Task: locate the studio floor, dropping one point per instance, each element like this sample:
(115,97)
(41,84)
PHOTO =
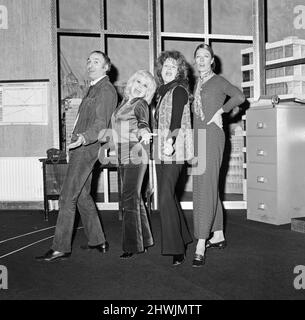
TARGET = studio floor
(258,263)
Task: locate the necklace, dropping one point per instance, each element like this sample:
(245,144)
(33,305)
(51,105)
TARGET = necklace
(206,76)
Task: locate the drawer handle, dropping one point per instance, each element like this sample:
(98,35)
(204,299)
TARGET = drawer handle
(260,125)
(261,153)
(261,206)
(261,179)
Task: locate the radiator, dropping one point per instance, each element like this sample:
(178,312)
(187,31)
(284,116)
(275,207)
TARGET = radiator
(21,179)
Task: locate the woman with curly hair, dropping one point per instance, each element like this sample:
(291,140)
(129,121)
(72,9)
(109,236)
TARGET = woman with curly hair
(131,132)
(173,121)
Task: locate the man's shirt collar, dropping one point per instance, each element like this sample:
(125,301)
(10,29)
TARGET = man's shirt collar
(93,82)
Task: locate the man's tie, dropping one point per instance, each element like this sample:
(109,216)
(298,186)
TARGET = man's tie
(86,95)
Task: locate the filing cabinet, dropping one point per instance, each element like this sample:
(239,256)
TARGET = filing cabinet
(275,144)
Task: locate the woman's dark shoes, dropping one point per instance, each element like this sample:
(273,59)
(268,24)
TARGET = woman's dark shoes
(178,259)
(52,255)
(198,260)
(102,248)
(219,245)
(126,255)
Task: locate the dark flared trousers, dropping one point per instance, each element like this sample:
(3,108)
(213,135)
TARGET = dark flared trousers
(76,193)
(175,234)
(136,231)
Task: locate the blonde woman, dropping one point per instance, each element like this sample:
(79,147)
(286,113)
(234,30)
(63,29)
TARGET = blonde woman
(131,136)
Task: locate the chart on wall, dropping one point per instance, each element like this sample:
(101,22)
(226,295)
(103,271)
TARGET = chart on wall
(24,103)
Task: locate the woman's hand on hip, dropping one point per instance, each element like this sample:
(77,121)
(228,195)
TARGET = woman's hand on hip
(217,118)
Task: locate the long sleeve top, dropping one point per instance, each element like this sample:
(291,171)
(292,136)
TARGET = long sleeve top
(214,93)
(95,111)
(129,121)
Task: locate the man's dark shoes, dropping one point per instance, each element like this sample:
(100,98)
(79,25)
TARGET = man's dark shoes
(102,248)
(199,260)
(178,259)
(219,245)
(52,255)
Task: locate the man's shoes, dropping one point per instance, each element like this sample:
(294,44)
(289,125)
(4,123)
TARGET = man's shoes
(102,248)
(199,260)
(178,259)
(52,255)
(126,255)
(219,245)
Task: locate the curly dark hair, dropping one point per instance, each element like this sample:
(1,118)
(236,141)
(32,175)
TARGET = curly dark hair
(181,64)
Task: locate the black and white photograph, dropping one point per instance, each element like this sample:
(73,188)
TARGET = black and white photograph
(152,154)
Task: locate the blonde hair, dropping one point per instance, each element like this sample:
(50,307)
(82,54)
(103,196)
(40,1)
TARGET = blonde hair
(150,81)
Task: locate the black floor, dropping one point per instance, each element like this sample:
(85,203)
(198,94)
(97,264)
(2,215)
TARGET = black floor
(258,263)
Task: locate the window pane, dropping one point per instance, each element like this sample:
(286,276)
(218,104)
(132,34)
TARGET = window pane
(79,14)
(285,18)
(246,75)
(183,16)
(127,14)
(74,52)
(288,51)
(127,56)
(247,92)
(289,70)
(231,17)
(247,58)
(229,60)
(187,48)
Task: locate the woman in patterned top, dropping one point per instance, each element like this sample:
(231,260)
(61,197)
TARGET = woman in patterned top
(210,95)
(175,146)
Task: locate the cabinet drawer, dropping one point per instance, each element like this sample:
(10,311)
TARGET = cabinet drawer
(262,176)
(262,206)
(261,149)
(261,122)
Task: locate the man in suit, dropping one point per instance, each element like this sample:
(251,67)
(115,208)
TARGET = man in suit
(93,116)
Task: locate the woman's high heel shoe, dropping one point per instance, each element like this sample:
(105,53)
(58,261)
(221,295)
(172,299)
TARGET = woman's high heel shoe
(178,259)
(199,260)
(219,245)
(126,255)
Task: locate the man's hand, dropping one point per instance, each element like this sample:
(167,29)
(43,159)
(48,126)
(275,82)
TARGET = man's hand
(217,118)
(77,143)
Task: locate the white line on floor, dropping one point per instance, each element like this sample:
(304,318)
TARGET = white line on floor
(29,245)
(26,234)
